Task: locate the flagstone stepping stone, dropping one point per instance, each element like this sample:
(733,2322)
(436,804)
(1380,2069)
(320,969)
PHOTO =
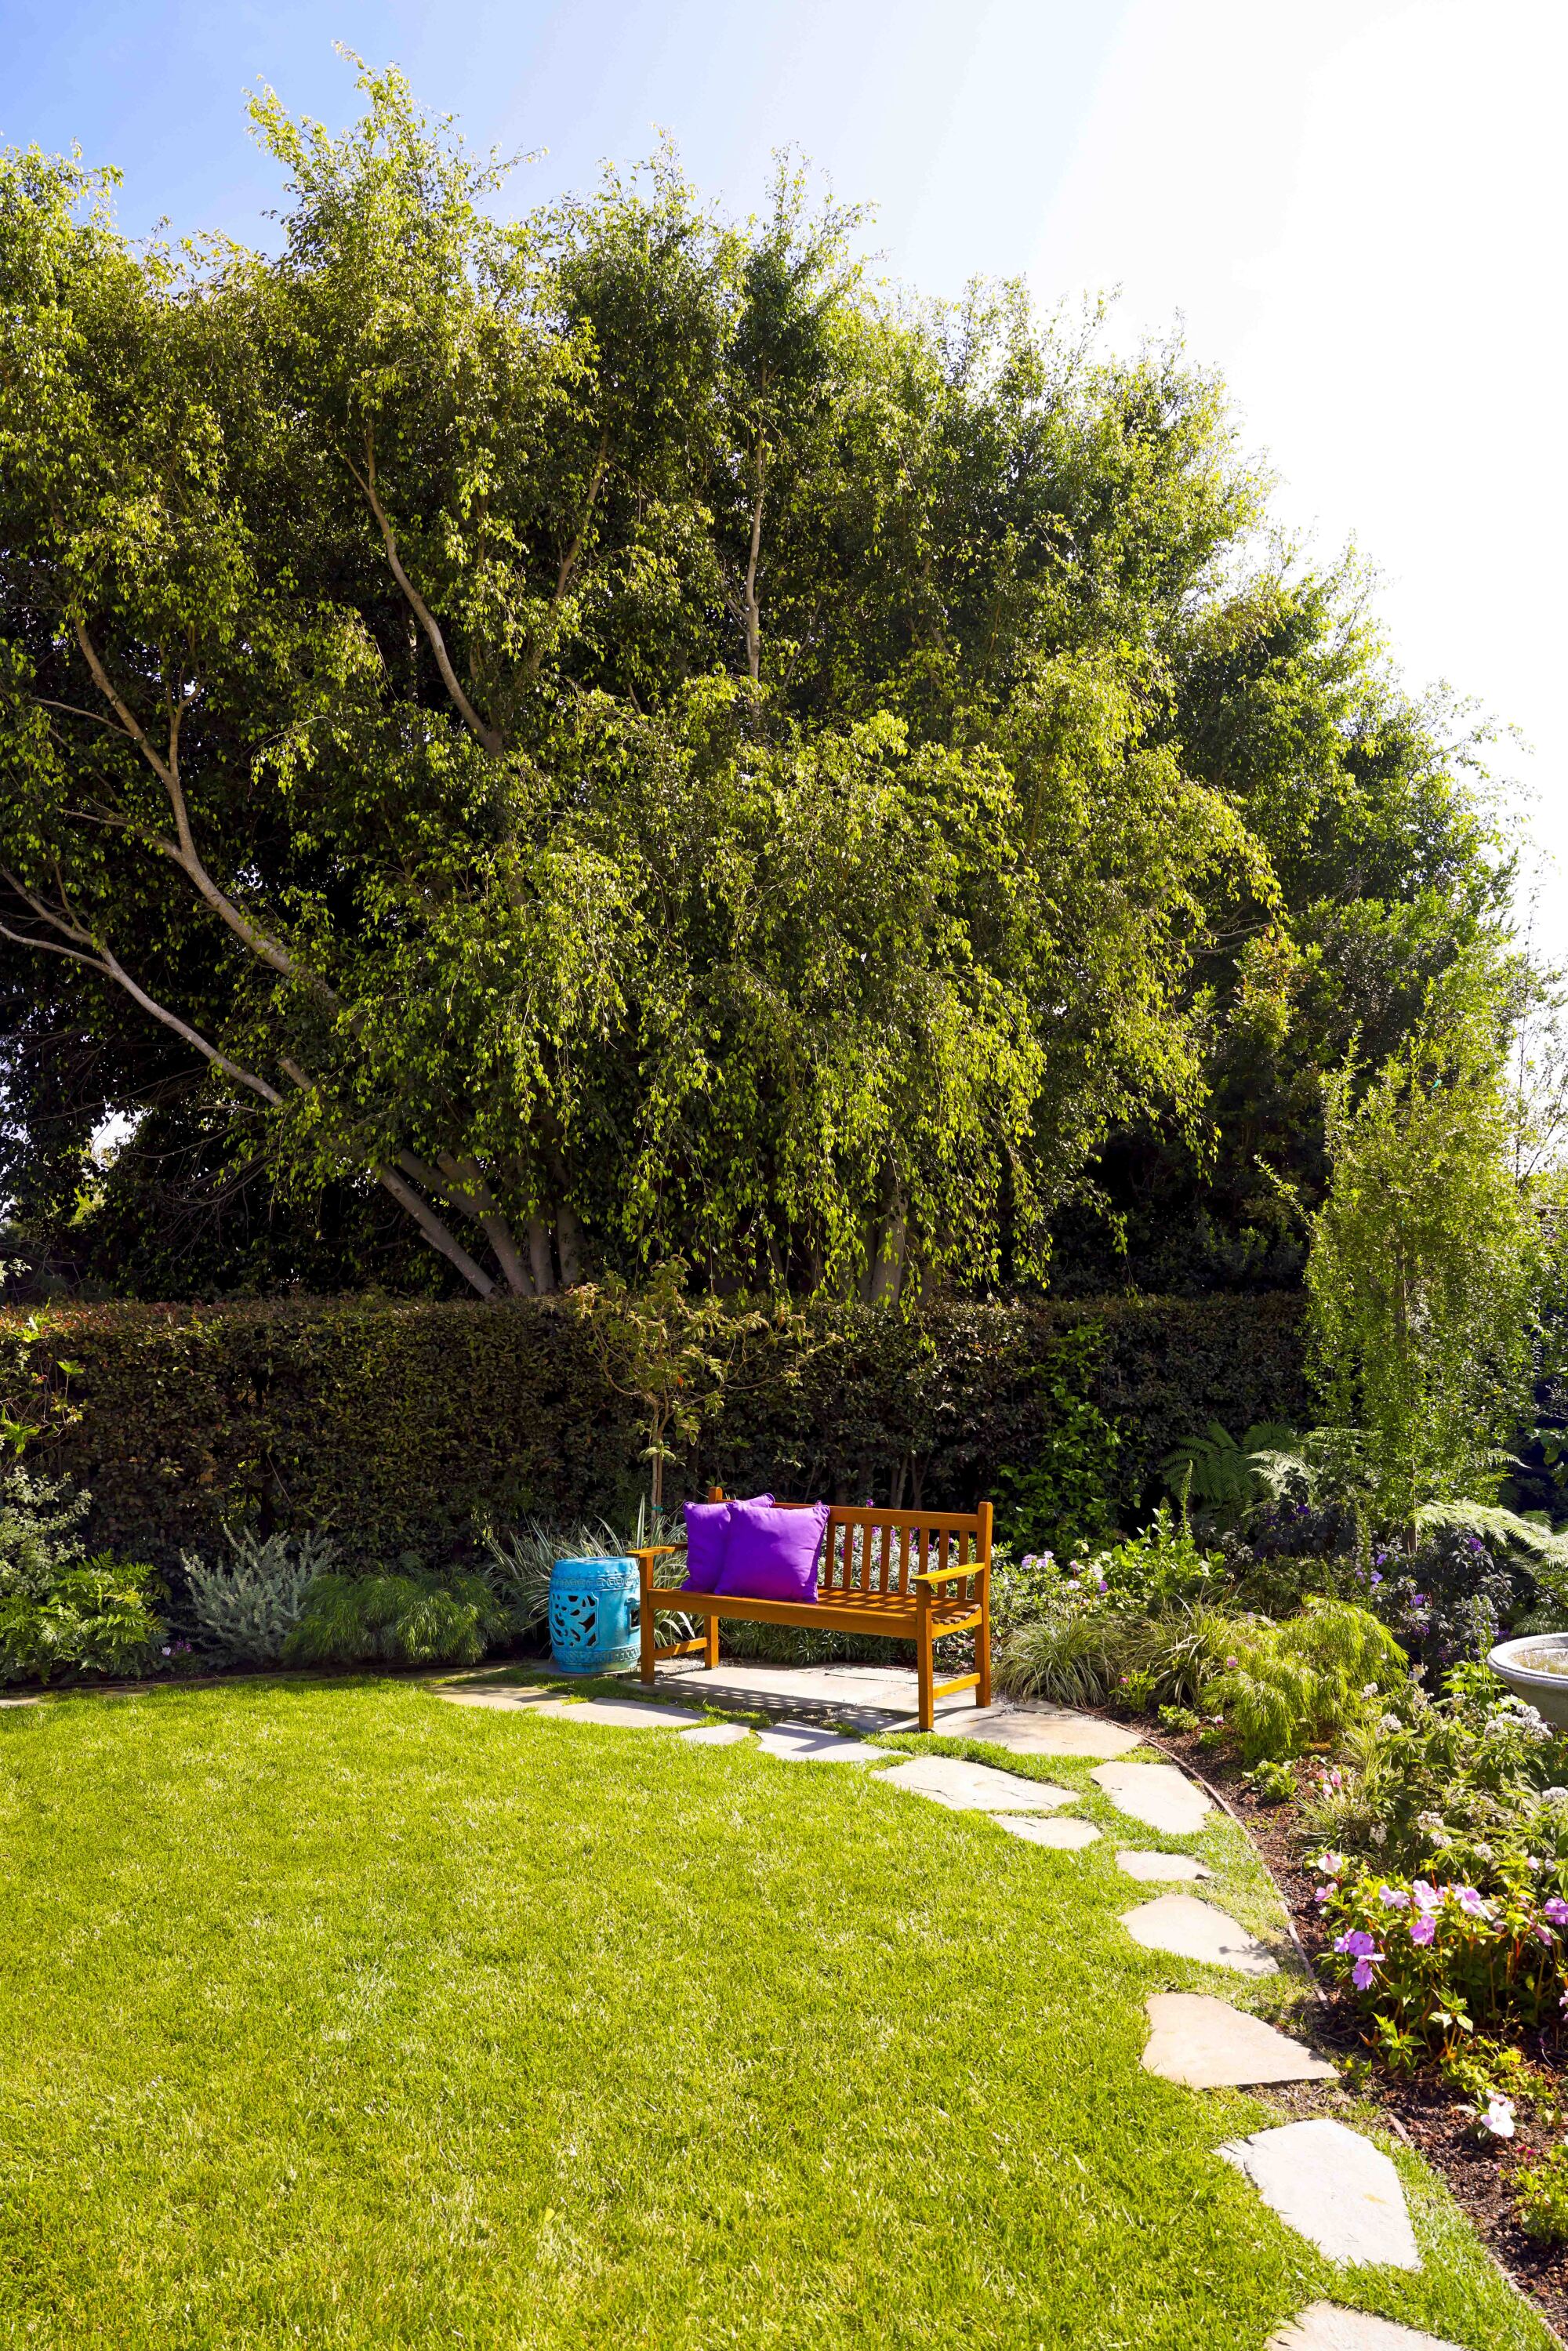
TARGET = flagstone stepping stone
(1324,2327)
(715,1734)
(1155,1793)
(1334,2187)
(806,1742)
(623,1713)
(973,1787)
(1197,1931)
(1159,1868)
(1208,2045)
(1041,1730)
(1066,1835)
(506,1696)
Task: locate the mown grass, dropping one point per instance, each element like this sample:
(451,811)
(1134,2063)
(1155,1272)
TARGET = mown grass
(335,2015)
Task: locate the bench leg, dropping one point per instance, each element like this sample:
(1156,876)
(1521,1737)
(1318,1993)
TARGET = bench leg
(710,1644)
(983,1646)
(926,1663)
(645,1635)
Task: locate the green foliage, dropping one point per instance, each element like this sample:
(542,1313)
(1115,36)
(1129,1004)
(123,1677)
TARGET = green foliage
(1224,1477)
(1074,1656)
(401,1426)
(1274,1781)
(404,1620)
(1540,2198)
(1284,1687)
(519,1561)
(1432,1964)
(1471,1785)
(1064,1496)
(60,1610)
(1423,1264)
(246,1605)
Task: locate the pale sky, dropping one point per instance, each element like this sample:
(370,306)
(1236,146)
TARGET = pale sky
(1355,207)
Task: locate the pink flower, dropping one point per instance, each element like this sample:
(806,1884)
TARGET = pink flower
(1360,1974)
(1358,1943)
(1230,1665)
(1544,1935)
(1422,1927)
(1322,1893)
(1556,1910)
(1392,1899)
(1470,1902)
(1427,1898)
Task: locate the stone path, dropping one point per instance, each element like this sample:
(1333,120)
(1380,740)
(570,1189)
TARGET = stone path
(973,1787)
(1157,1868)
(1065,1836)
(1324,2327)
(1326,2181)
(1334,2187)
(1207,2044)
(1155,1793)
(803,1742)
(1197,1931)
(868,1698)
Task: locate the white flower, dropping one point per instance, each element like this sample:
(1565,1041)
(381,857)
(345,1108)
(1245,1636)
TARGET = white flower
(1369,1690)
(1499,2117)
(1378,1832)
(1390,1722)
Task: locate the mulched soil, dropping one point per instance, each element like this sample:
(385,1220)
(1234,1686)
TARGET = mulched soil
(1423,2112)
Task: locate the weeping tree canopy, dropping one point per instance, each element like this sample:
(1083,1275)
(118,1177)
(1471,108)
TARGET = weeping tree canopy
(611,738)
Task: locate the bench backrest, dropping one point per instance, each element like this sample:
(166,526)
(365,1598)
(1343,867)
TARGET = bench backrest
(874,1550)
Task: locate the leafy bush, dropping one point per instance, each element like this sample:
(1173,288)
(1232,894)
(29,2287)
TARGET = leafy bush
(97,1619)
(1540,2198)
(1430,1963)
(404,1620)
(1287,1686)
(245,1606)
(362,1412)
(1225,1479)
(61,1610)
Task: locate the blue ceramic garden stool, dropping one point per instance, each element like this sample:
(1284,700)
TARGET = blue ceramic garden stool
(593,1614)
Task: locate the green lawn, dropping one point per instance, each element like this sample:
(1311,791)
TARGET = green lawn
(332,2014)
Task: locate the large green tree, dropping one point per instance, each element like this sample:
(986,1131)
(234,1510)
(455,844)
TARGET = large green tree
(612,732)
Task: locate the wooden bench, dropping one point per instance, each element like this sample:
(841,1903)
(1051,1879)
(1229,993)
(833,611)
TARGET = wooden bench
(909,1575)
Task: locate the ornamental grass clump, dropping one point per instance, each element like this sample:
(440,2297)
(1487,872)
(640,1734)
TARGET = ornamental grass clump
(398,1619)
(1431,1963)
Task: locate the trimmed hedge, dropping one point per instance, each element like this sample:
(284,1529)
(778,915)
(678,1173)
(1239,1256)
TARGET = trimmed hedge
(398,1424)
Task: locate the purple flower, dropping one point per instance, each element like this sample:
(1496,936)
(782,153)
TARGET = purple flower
(1360,1974)
(1230,1665)
(1375,1577)
(1422,1927)
(1427,1896)
(1470,1902)
(1392,1899)
(1358,1942)
(1556,1910)
(1321,1893)
(1544,1935)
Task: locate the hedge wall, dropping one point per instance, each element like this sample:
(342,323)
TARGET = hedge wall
(399,1424)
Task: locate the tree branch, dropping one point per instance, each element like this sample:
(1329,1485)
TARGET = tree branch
(566,569)
(434,1231)
(486,737)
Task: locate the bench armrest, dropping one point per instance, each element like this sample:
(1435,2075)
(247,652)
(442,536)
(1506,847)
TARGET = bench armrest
(951,1575)
(651,1551)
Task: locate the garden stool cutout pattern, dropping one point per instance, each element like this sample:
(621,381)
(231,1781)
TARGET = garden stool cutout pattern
(593,1615)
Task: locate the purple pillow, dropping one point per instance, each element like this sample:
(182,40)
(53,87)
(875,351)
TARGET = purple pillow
(707,1539)
(773,1554)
